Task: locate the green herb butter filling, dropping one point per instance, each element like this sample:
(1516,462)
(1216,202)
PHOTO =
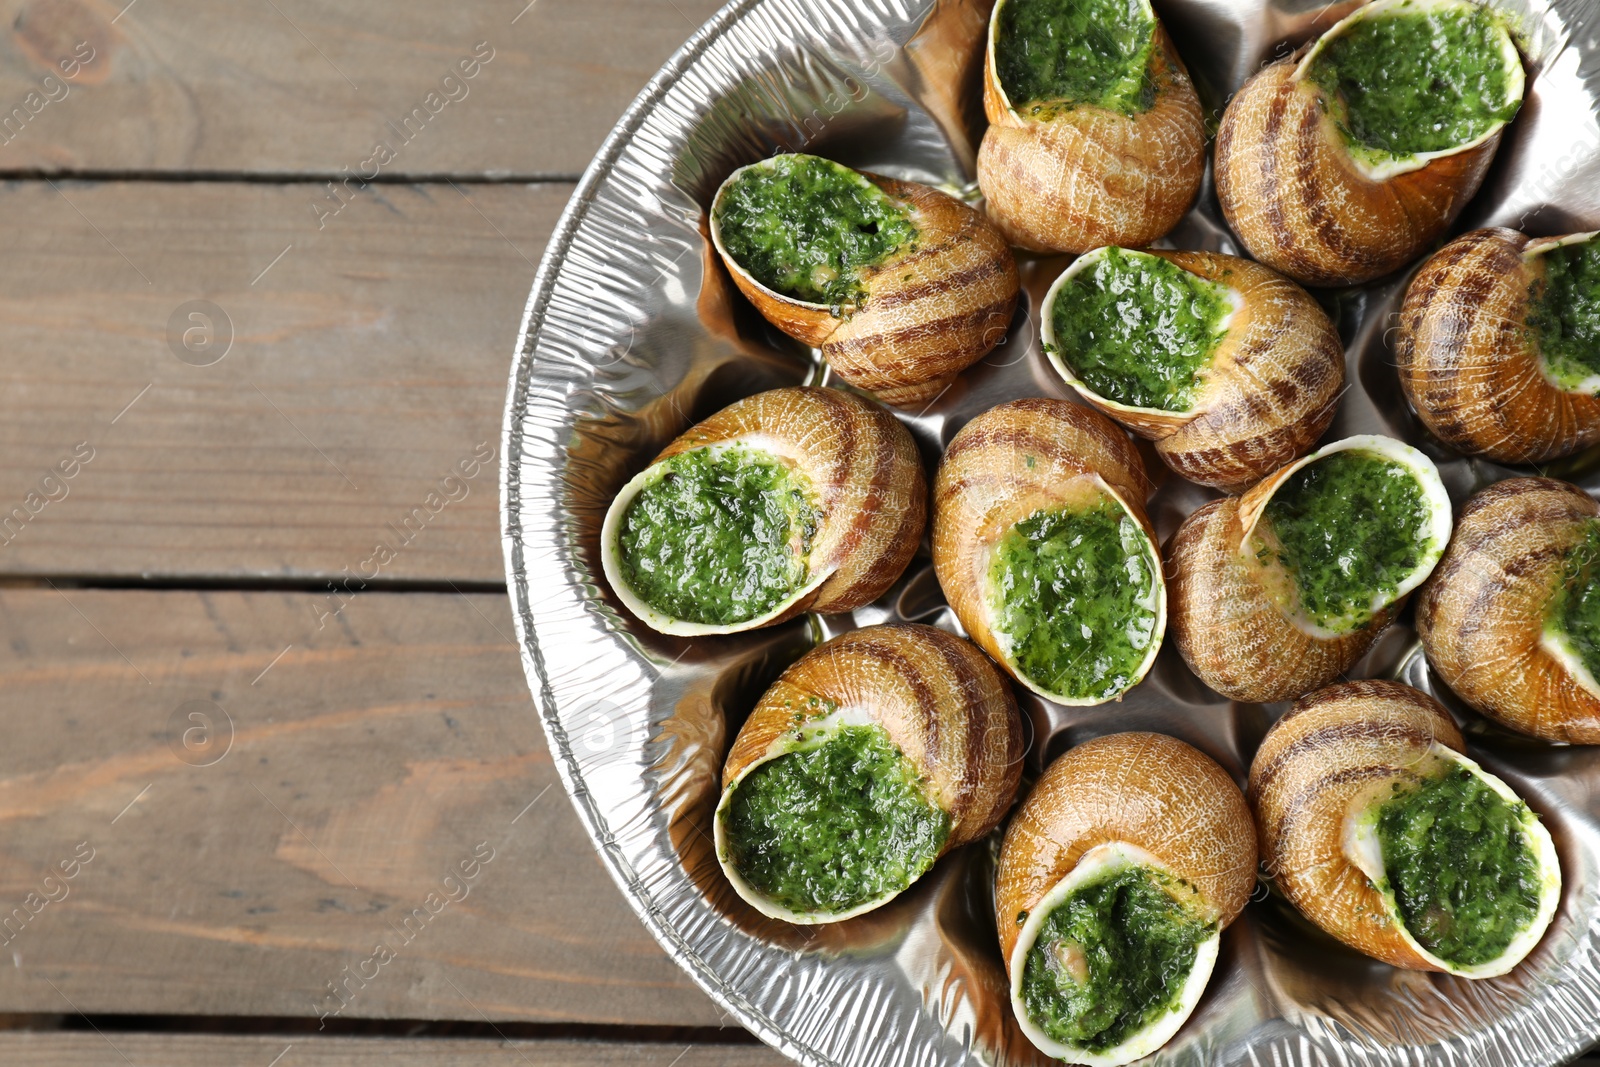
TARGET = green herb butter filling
(1458,860)
(809,228)
(1139,330)
(1574,611)
(1110,960)
(1349,528)
(1058,53)
(831,827)
(1073,597)
(720,536)
(1564,314)
(1413,81)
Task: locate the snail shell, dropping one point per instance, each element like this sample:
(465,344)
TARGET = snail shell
(1088,176)
(1230,628)
(1139,797)
(867,474)
(1469,362)
(1304,205)
(1481,616)
(1271,388)
(929,312)
(1325,764)
(1001,468)
(938,698)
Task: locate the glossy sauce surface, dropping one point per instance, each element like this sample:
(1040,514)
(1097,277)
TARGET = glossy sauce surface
(1564,313)
(1066,52)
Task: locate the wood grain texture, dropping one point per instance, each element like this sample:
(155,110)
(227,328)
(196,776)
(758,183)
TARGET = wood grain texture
(369,760)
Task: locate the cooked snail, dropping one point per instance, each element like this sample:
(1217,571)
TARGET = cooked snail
(789,501)
(900,286)
(1499,344)
(1343,162)
(872,756)
(1281,590)
(1511,617)
(1378,828)
(1042,547)
(1131,826)
(1231,369)
(1095,133)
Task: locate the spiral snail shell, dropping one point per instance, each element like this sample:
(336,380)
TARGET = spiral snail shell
(901,324)
(1491,618)
(1470,355)
(1308,198)
(1131,807)
(1240,398)
(799,499)
(1330,786)
(935,727)
(1119,164)
(1262,607)
(1043,549)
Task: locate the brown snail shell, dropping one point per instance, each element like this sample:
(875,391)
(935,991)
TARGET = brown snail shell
(1304,205)
(1481,616)
(1470,365)
(929,312)
(1157,801)
(869,481)
(938,698)
(1088,176)
(1325,764)
(1271,389)
(1232,632)
(1008,463)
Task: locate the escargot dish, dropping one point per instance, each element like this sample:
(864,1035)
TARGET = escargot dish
(872,756)
(1511,618)
(1231,369)
(792,500)
(1499,345)
(1282,589)
(1117,876)
(1342,163)
(1042,547)
(1377,827)
(900,286)
(1095,133)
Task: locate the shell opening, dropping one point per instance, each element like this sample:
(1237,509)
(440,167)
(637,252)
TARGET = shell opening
(1565,298)
(1128,89)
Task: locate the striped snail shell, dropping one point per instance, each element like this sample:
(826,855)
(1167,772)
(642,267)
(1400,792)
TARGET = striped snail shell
(1126,799)
(930,310)
(940,701)
(861,470)
(1016,462)
(1270,389)
(1072,178)
(1470,362)
(1483,616)
(1316,780)
(1305,204)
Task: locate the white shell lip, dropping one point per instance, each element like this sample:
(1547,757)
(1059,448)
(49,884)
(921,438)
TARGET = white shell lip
(1560,649)
(994,32)
(1107,859)
(1384,169)
(1588,386)
(1047,332)
(1362,848)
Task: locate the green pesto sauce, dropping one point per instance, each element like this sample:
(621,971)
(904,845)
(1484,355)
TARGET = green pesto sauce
(831,827)
(808,228)
(1350,528)
(1139,330)
(1138,945)
(1458,861)
(1564,312)
(1066,52)
(721,537)
(1418,81)
(1071,591)
(1574,611)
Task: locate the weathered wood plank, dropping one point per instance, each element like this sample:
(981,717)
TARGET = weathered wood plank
(363,821)
(310,86)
